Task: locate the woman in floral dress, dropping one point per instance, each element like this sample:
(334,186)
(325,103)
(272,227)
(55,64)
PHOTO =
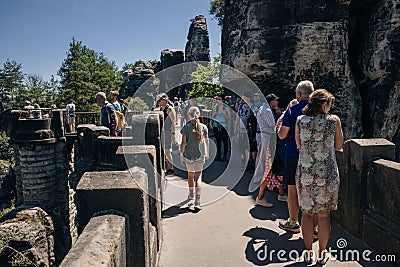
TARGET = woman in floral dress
(318,134)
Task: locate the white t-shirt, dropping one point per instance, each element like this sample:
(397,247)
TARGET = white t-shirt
(70,109)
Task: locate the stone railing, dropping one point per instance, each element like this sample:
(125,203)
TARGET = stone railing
(109,181)
(369,193)
(123,174)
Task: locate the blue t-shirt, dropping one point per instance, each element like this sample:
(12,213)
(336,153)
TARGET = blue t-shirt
(105,116)
(289,120)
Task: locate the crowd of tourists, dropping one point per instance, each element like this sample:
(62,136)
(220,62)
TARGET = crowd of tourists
(291,151)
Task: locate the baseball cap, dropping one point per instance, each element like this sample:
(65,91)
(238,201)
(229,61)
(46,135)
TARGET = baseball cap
(271,97)
(162,97)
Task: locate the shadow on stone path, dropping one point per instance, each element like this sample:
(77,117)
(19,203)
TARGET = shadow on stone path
(233,232)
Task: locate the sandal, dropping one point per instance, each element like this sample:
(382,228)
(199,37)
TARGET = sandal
(308,256)
(323,259)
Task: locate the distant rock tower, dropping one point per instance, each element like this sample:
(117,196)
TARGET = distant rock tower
(197,47)
(198,42)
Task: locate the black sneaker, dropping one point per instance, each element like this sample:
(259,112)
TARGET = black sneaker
(169,172)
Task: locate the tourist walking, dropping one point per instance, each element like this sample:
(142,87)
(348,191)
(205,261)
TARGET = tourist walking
(194,153)
(168,132)
(245,128)
(220,124)
(318,134)
(71,115)
(108,116)
(287,130)
(120,116)
(185,111)
(266,128)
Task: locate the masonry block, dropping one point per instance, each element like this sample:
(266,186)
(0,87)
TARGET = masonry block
(102,242)
(106,148)
(358,153)
(383,189)
(121,191)
(381,234)
(144,156)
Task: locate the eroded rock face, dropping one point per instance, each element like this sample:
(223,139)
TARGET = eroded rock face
(351,48)
(30,232)
(169,58)
(7,185)
(374,50)
(135,77)
(198,43)
(279,43)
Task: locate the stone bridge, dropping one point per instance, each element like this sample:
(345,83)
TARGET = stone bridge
(82,200)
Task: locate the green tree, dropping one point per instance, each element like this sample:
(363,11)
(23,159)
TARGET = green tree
(136,104)
(52,90)
(11,85)
(36,89)
(83,73)
(205,80)
(217,10)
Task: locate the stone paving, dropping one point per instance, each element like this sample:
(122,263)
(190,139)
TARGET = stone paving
(233,232)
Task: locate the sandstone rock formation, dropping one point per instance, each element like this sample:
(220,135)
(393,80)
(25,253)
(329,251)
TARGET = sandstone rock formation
(374,51)
(30,233)
(169,58)
(7,185)
(279,43)
(135,77)
(197,48)
(198,43)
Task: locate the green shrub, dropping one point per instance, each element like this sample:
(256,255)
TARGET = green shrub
(6,151)
(136,104)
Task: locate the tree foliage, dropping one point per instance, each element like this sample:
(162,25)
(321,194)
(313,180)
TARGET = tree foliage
(205,80)
(44,93)
(85,72)
(12,89)
(136,104)
(217,10)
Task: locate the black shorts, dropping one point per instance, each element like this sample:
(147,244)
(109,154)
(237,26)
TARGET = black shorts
(252,143)
(290,170)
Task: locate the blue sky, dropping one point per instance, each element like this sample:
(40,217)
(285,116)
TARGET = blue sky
(37,33)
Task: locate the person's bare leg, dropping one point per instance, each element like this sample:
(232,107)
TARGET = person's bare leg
(253,156)
(262,190)
(324,230)
(280,188)
(73,127)
(198,181)
(307,229)
(293,203)
(167,153)
(191,182)
(315,220)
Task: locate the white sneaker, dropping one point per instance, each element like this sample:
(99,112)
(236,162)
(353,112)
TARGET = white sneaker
(197,206)
(263,202)
(190,196)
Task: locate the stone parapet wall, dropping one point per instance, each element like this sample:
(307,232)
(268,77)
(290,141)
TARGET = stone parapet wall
(125,175)
(103,242)
(369,193)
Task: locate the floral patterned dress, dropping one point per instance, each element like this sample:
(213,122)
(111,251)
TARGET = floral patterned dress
(317,175)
